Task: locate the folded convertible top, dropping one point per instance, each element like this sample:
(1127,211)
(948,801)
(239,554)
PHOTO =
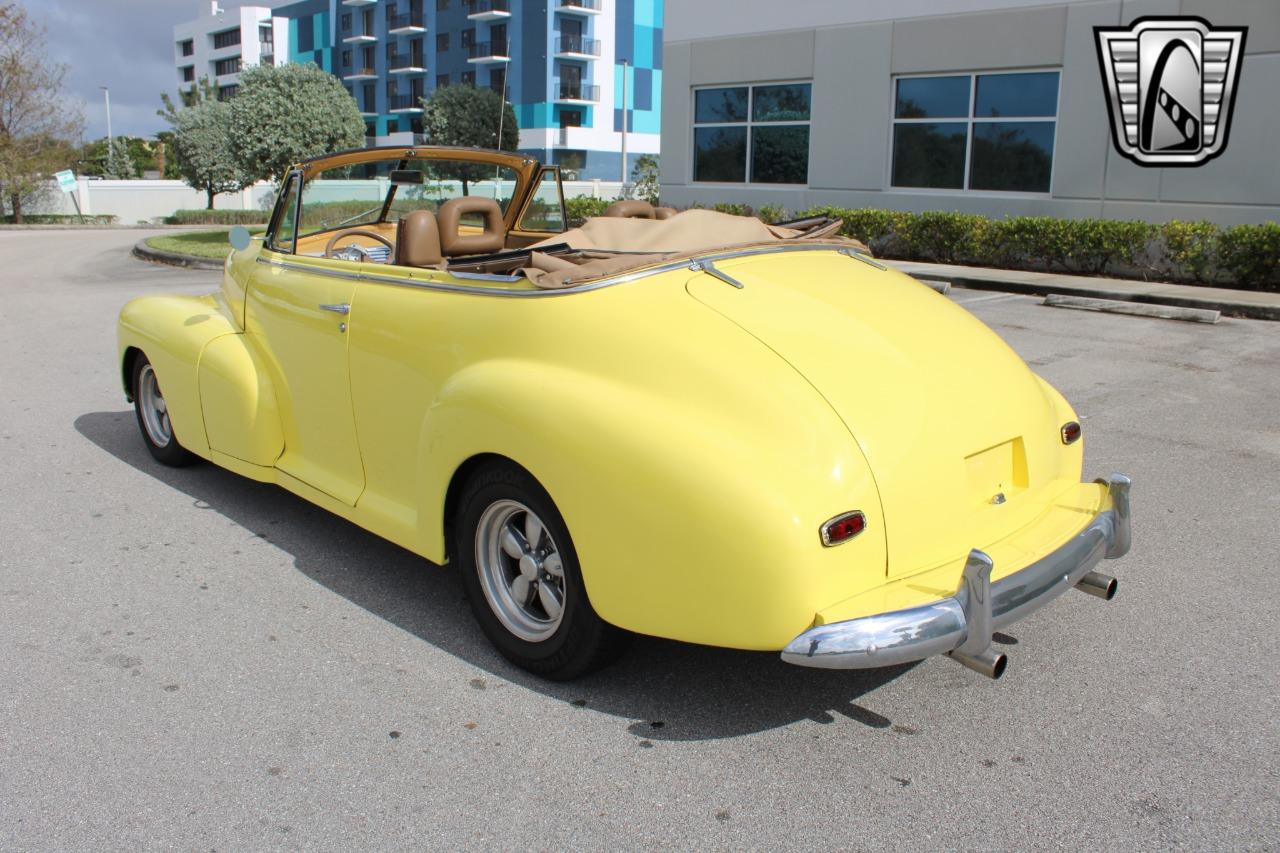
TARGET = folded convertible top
(606,246)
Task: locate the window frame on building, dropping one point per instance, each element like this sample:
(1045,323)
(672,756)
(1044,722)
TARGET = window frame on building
(969,121)
(749,123)
(187,47)
(227,66)
(221,39)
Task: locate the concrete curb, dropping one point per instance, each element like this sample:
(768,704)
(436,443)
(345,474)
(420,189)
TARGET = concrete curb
(158,256)
(1137,309)
(1255,305)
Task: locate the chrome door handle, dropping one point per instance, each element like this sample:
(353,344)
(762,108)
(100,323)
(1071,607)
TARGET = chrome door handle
(342,308)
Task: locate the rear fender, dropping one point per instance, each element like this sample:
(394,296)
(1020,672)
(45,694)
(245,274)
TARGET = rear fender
(686,526)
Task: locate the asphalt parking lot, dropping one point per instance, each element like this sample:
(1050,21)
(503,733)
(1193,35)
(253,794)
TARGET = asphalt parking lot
(193,660)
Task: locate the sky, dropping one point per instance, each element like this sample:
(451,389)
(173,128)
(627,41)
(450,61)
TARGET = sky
(124,44)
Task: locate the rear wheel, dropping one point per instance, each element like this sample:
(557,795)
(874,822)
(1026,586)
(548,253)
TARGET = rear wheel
(522,577)
(153,417)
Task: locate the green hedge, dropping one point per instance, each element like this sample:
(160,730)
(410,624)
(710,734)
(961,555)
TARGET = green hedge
(582,208)
(1244,256)
(62,219)
(218,217)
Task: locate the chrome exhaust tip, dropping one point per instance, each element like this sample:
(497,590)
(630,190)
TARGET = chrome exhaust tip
(1096,583)
(988,662)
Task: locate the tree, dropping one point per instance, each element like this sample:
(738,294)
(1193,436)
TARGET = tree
(35,122)
(166,159)
(120,163)
(287,113)
(644,177)
(470,117)
(202,143)
(200,92)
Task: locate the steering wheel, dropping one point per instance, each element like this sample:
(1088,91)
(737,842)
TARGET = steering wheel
(362,251)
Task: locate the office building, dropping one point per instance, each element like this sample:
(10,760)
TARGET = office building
(994,107)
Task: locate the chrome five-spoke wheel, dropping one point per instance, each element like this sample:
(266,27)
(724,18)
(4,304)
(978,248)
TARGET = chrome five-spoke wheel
(522,577)
(521,570)
(153,409)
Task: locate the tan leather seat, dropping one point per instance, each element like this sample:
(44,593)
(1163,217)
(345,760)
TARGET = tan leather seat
(455,243)
(664,212)
(418,240)
(631,208)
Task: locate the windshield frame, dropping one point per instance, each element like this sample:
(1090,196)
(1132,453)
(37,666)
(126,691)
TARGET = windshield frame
(527,172)
(525,168)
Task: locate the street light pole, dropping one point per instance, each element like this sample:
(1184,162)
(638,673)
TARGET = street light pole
(106,94)
(624,129)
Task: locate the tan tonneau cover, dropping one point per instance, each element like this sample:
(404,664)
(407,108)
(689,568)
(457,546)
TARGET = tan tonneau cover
(607,246)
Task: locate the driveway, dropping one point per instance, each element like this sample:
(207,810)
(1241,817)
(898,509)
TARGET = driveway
(193,660)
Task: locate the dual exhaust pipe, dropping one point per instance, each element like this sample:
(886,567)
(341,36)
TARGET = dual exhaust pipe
(974,595)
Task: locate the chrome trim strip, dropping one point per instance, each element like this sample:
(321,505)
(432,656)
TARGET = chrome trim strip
(536,294)
(902,636)
(711,269)
(858,256)
(484,276)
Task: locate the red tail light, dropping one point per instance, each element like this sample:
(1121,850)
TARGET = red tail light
(843,527)
(1070,432)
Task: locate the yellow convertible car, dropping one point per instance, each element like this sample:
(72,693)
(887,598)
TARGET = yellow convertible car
(688,425)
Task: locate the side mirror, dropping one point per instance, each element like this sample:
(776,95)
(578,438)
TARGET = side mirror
(239,238)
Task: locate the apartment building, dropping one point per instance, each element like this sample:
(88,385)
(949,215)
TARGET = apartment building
(220,42)
(564,65)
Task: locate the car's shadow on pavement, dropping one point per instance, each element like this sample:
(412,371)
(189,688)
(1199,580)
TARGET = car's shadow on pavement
(668,690)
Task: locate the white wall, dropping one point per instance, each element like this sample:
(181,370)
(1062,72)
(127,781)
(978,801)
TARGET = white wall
(144,201)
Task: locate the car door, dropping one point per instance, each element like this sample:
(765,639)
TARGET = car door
(297,313)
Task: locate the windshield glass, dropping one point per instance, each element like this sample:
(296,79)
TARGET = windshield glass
(351,196)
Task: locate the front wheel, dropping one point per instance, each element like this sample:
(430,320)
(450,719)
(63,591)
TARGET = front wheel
(153,417)
(522,578)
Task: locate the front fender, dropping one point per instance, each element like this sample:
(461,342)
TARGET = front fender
(690,522)
(172,332)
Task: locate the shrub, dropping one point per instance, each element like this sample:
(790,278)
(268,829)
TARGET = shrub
(1190,250)
(62,218)
(1093,245)
(218,217)
(734,208)
(1025,241)
(645,176)
(772,213)
(1246,256)
(1250,255)
(942,236)
(582,208)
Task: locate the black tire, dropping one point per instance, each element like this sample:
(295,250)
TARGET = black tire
(582,641)
(159,436)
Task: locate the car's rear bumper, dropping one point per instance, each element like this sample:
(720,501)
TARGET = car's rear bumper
(961,625)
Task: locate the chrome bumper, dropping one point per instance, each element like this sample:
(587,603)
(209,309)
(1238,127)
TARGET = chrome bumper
(961,626)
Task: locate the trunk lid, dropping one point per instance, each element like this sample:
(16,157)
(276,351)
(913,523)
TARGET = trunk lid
(961,437)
